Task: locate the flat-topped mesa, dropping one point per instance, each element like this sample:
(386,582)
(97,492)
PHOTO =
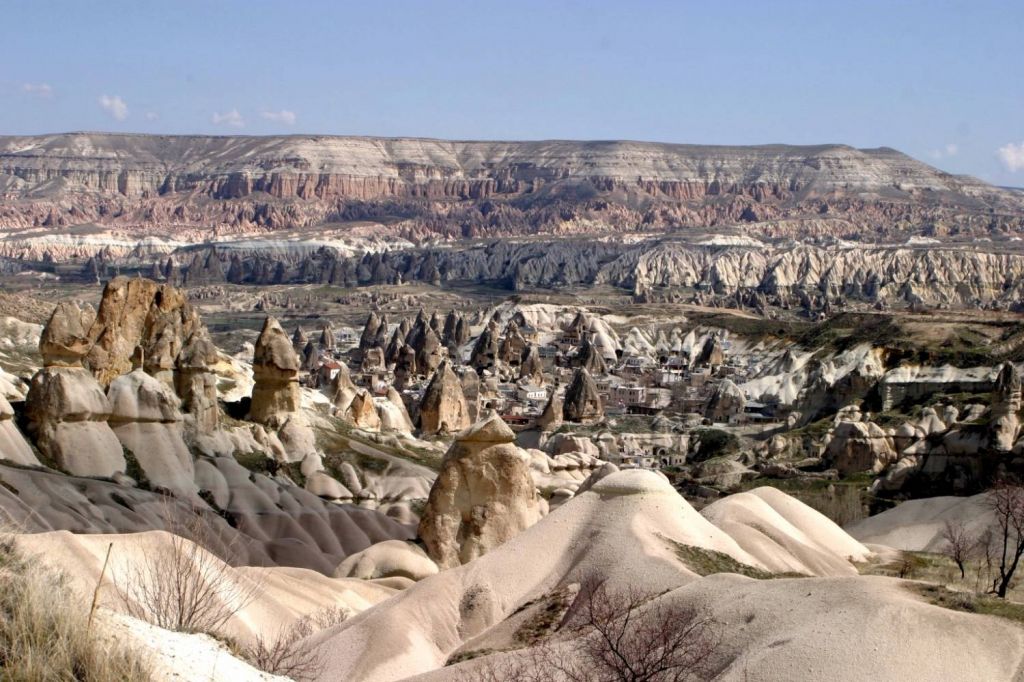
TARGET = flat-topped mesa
(443,408)
(275,369)
(483,496)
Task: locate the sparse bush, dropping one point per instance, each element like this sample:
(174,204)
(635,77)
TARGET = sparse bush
(617,635)
(288,653)
(179,585)
(959,544)
(45,634)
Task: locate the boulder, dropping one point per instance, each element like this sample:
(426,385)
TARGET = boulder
(483,496)
(362,413)
(65,338)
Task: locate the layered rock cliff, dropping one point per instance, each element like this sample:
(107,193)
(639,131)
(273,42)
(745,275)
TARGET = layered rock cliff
(425,188)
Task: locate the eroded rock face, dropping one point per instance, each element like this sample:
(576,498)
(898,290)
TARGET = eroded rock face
(859,446)
(582,402)
(1006,403)
(443,407)
(65,339)
(726,401)
(67,413)
(144,416)
(13,446)
(483,496)
(362,413)
(275,369)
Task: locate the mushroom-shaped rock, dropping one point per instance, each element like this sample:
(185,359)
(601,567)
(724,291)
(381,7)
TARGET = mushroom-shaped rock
(275,369)
(483,496)
(443,407)
(582,402)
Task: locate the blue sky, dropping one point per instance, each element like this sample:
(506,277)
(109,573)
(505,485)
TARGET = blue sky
(942,81)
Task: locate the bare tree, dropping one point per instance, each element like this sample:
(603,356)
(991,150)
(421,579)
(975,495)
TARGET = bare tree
(959,544)
(1006,501)
(289,653)
(180,585)
(618,635)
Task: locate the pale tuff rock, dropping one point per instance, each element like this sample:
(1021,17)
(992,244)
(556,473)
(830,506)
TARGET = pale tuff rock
(727,400)
(483,496)
(67,412)
(275,370)
(531,368)
(388,559)
(513,345)
(13,446)
(144,416)
(551,418)
(859,446)
(139,313)
(373,361)
(582,402)
(711,353)
(470,381)
(65,338)
(397,418)
(429,353)
(368,339)
(1006,404)
(195,383)
(342,389)
(443,407)
(299,339)
(485,350)
(362,413)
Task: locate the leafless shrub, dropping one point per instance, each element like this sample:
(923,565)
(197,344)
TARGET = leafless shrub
(959,544)
(1006,501)
(179,585)
(44,635)
(289,654)
(617,636)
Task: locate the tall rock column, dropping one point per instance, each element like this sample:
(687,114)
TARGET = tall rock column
(1006,402)
(275,369)
(483,496)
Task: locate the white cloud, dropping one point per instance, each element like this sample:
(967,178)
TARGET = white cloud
(114,106)
(152,116)
(952,149)
(44,90)
(229,118)
(1012,156)
(284,116)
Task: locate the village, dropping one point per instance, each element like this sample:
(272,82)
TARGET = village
(546,379)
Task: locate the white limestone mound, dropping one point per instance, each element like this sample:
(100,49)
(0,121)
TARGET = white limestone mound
(917,525)
(388,559)
(785,534)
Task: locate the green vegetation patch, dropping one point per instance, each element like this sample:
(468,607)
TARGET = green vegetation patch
(969,602)
(705,562)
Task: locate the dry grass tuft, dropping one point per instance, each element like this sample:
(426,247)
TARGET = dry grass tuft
(45,634)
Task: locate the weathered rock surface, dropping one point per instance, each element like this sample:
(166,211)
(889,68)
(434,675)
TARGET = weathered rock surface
(443,407)
(858,447)
(275,369)
(483,496)
(13,446)
(582,402)
(67,416)
(144,416)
